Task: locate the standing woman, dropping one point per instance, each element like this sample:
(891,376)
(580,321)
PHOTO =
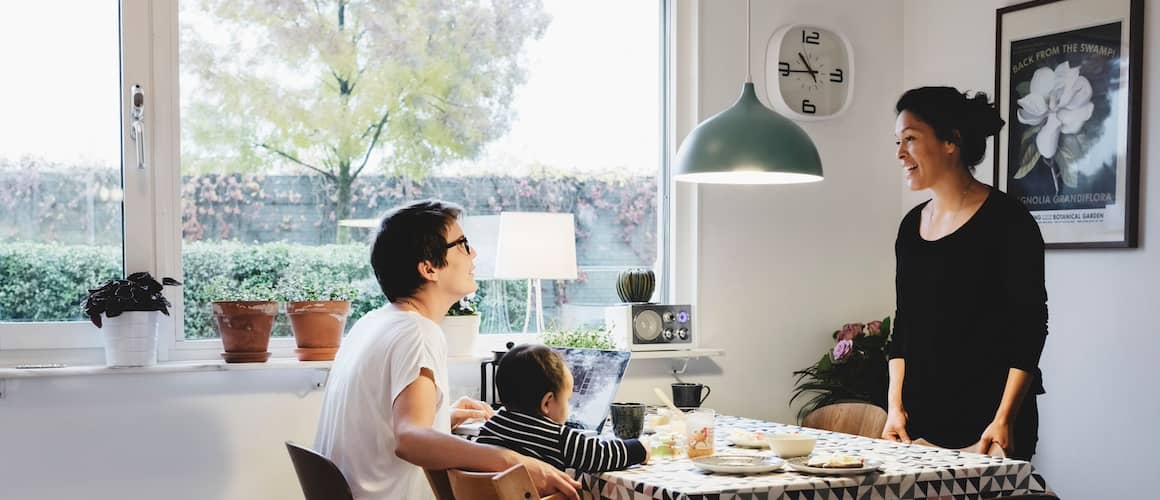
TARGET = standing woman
(971,316)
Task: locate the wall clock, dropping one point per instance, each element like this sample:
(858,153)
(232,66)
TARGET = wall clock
(809,72)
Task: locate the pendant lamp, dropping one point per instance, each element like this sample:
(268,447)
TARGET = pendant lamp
(748,144)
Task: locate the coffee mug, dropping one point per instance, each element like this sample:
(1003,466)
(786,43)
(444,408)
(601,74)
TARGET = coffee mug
(627,419)
(686,395)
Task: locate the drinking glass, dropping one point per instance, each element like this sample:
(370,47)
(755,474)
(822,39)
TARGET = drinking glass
(699,432)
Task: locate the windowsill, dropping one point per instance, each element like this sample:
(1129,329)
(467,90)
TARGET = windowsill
(279,364)
(164,367)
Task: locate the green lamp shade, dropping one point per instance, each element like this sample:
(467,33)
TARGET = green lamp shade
(748,144)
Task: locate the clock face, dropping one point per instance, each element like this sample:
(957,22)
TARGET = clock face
(808,72)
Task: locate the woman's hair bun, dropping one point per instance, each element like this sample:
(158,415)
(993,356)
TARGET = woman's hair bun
(981,115)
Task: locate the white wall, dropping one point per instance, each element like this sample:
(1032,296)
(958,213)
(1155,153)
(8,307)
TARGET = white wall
(1102,346)
(780,267)
(189,436)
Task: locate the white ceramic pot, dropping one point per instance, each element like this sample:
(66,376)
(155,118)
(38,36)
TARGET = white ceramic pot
(460,332)
(131,338)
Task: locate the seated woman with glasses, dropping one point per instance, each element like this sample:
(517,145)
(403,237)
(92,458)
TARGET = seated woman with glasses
(386,411)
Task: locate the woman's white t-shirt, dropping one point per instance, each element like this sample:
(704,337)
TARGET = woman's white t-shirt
(380,357)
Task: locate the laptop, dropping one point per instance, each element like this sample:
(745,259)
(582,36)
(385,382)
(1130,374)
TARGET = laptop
(596,376)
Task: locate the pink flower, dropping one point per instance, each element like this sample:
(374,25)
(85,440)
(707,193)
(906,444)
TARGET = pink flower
(874,327)
(850,330)
(842,350)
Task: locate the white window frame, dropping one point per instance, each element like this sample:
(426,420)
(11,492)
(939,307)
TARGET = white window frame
(28,341)
(152,197)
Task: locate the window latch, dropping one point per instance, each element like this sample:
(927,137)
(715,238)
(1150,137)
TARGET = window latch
(137,125)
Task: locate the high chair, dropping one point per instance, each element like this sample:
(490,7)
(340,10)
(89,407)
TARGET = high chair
(512,484)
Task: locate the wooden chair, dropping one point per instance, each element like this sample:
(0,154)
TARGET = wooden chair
(862,419)
(1032,496)
(319,477)
(512,484)
(995,451)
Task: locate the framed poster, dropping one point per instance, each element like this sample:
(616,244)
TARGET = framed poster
(1067,82)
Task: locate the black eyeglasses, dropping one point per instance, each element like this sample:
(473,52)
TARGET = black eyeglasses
(461,241)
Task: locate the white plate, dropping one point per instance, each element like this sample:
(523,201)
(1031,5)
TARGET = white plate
(746,439)
(799,464)
(738,464)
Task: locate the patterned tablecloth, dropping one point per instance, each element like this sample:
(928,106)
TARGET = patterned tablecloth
(909,471)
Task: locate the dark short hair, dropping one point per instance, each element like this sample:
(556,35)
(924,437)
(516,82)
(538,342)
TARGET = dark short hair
(410,234)
(947,111)
(526,373)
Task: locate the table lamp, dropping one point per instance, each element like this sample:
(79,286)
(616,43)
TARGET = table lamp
(536,246)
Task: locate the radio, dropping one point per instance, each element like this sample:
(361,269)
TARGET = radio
(651,327)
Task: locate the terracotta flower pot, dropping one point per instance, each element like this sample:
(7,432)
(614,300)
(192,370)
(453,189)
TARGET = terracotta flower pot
(245,328)
(318,327)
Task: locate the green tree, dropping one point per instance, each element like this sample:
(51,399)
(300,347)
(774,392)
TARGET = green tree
(337,86)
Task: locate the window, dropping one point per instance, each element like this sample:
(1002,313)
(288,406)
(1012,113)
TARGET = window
(276,132)
(62,226)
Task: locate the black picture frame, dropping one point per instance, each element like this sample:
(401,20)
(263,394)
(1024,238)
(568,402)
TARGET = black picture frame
(1068,82)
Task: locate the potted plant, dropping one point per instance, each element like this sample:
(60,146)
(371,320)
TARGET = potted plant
(461,326)
(318,312)
(244,316)
(585,337)
(855,369)
(635,285)
(127,310)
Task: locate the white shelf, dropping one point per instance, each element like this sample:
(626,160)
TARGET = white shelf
(165,367)
(687,354)
(469,359)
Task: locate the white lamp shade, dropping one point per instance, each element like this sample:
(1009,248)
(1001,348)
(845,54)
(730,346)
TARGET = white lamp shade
(536,245)
(481,232)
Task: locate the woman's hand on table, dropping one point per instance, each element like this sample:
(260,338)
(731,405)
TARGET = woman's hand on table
(465,409)
(895,428)
(998,432)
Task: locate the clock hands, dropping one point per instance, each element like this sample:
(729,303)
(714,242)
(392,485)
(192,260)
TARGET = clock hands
(785,69)
(813,73)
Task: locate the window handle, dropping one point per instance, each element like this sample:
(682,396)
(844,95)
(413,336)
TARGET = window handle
(137,126)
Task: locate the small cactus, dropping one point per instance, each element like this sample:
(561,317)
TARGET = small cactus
(635,285)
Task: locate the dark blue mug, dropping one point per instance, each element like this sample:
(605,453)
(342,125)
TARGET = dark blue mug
(627,419)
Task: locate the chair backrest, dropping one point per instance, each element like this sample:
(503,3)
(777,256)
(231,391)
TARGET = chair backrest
(1032,496)
(863,419)
(319,477)
(512,484)
(995,451)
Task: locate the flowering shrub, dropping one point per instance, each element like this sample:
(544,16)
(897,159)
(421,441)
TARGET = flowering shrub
(855,369)
(467,306)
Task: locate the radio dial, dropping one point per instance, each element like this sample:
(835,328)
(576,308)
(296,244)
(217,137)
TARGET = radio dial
(683,333)
(667,334)
(647,324)
(668,316)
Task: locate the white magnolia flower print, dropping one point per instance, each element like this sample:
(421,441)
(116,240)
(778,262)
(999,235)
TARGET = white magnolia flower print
(1060,100)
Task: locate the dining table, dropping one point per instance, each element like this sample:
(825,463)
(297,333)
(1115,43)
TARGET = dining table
(906,471)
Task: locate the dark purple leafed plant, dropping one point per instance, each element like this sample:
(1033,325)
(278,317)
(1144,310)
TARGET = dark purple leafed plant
(137,292)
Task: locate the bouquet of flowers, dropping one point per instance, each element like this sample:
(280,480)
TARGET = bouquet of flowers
(854,370)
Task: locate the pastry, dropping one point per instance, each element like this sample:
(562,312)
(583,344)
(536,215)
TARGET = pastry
(834,462)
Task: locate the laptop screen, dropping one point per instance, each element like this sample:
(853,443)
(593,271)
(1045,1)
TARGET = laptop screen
(596,376)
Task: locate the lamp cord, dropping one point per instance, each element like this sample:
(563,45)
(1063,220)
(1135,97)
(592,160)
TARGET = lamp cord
(748,63)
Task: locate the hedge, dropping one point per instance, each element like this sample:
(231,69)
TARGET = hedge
(47,282)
